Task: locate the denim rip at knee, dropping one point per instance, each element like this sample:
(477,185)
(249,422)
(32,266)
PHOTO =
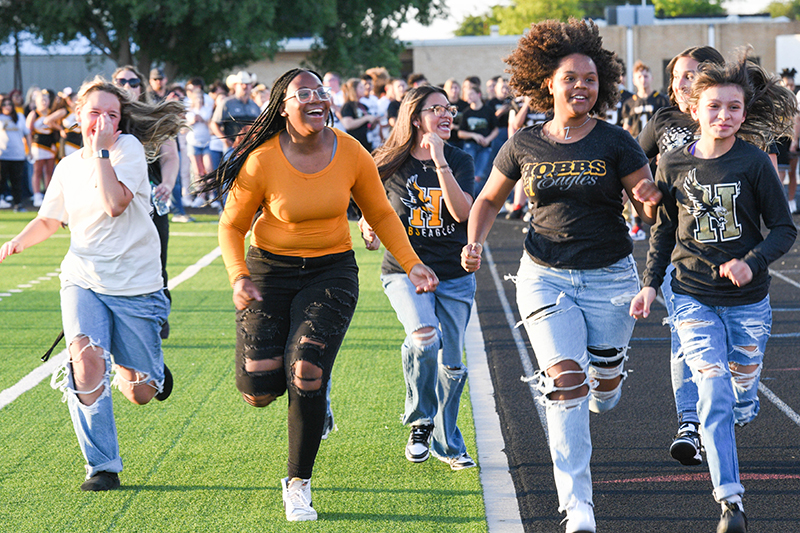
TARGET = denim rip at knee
(747,329)
(604,356)
(307,307)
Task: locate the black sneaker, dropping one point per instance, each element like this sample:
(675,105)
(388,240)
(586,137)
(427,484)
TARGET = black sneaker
(166,389)
(101,481)
(687,448)
(418,448)
(732,520)
(516,213)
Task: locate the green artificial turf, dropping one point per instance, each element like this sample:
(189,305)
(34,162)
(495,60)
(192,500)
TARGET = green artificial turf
(204,460)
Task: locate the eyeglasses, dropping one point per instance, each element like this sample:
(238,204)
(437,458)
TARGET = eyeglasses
(9,104)
(441,110)
(304,95)
(131,82)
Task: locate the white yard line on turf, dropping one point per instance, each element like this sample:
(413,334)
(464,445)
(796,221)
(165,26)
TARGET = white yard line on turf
(38,374)
(499,496)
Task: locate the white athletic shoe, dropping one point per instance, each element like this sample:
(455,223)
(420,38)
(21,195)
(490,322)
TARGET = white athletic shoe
(297,499)
(580,518)
(37,199)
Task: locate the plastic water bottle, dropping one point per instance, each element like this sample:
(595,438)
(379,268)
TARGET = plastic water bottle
(161,206)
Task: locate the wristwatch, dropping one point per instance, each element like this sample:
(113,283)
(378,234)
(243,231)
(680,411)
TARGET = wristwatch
(102,154)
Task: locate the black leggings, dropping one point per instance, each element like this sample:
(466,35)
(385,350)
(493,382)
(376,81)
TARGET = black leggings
(304,299)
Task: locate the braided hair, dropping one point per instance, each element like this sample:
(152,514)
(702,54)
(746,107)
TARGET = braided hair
(268,124)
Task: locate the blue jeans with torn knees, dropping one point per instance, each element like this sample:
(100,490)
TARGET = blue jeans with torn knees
(127,328)
(580,316)
(433,369)
(716,341)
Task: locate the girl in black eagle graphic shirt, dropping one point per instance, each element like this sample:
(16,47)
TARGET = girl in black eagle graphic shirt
(717,191)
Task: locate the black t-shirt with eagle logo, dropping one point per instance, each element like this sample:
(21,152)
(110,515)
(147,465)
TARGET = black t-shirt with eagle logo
(711,213)
(416,195)
(575,192)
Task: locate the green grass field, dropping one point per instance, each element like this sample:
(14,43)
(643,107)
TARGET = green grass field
(204,460)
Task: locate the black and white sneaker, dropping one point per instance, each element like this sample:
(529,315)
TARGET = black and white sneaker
(687,448)
(418,448)
(732,520)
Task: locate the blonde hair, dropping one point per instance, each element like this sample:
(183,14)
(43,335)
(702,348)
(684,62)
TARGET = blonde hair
(152,123)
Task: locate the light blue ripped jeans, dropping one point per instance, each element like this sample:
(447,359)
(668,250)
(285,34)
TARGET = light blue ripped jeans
(683,387)
(433,369)
(715,341)
(127,327)
(582,316)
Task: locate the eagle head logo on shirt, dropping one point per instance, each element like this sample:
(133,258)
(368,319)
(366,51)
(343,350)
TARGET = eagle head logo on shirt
(713,208)
(416,197)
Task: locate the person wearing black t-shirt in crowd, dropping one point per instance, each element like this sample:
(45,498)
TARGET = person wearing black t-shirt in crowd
(429,184)
(355,116)
(478,128)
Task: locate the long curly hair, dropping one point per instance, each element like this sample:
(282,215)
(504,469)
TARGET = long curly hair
(701,54)
(540,51)
(397,148)
(268,124)
(770,107)
(153,124)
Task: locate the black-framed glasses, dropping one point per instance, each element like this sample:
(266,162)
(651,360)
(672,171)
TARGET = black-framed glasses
(305,95)
(8,103)
(441,110)
(130,82)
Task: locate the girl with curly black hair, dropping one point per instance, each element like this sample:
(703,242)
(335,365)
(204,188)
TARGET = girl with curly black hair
(577,270)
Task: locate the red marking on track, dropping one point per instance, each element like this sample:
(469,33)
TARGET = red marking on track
(697,477)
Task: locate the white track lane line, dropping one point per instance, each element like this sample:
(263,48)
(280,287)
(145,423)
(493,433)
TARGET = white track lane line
(38,374)
(499,495)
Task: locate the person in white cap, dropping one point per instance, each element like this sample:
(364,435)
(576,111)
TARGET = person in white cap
(236,111)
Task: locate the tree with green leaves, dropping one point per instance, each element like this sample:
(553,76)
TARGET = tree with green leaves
(790,9)
(517,17)
(209,37)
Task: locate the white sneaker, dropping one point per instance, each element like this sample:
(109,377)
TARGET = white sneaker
(37,199)
(297,499)
(637,233)
(580,518)
(792,206)
(4,204)
(459,462)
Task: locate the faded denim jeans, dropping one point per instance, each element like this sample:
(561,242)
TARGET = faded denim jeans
(715,341)
(433,368)
(581,316)
(127,328)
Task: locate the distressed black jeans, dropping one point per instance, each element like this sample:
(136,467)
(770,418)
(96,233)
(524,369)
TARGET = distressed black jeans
(306,309)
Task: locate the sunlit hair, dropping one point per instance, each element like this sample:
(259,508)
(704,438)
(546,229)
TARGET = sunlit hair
(268,124)
(350,89)
(397,148)
(152,124)
(539,54)
(770,107)
(701,54)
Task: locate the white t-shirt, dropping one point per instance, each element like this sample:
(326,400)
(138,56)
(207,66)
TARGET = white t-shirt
(118,256)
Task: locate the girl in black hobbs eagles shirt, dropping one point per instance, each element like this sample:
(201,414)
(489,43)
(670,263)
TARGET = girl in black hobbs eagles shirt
(577,273)
(717,191)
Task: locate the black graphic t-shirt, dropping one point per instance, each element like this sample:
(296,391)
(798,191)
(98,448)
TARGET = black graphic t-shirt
(668,129)
(575,192)
(637,111)
(711,213)
(416,195)
(481,121)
